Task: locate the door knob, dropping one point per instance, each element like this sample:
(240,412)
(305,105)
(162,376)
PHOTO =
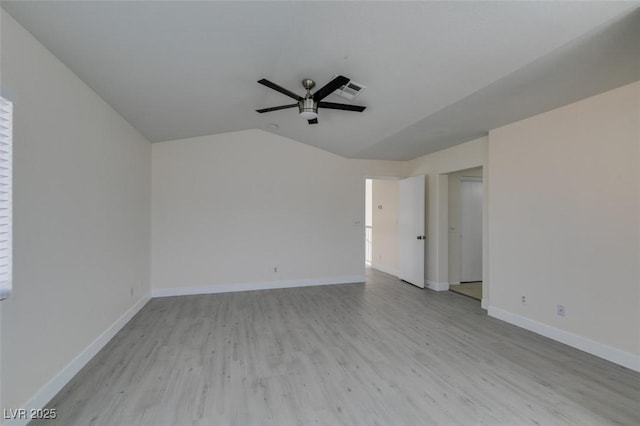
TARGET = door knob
(422,237)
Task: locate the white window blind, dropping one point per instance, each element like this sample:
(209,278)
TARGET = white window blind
(6,185)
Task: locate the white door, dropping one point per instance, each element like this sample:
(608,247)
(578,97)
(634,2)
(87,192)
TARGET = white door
(411,233)
(471,229)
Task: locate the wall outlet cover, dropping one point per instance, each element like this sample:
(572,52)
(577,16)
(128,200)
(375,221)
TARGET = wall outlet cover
(561,310)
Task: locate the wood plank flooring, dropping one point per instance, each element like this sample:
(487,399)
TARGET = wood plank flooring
(380,353)
(473,289)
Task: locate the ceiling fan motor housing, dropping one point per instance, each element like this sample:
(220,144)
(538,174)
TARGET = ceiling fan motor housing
(308,108)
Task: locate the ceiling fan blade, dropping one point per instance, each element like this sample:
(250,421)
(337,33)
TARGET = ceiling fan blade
(314,121)
(276,108)
(330,87)
(277,88)
(345,107)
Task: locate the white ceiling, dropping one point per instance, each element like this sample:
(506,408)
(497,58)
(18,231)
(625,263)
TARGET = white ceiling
(437,73)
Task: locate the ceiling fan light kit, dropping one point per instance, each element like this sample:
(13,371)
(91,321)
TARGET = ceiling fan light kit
(308,106)
(308,109)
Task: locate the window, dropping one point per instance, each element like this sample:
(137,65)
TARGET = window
(6,186)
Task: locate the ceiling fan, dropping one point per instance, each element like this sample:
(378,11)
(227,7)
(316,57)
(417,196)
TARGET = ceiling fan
(309,104)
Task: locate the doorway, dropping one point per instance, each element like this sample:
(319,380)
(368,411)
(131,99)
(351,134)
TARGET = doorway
(381,225)
(368,222)
(465,223)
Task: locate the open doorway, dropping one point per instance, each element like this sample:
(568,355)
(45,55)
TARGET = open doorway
(368,222)
(381,225)
(465,232)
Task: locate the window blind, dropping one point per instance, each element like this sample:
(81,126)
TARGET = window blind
(6,185)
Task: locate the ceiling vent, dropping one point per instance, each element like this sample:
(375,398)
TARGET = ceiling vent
(349,90)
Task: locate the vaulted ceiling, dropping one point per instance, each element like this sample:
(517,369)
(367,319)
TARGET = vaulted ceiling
(437,73)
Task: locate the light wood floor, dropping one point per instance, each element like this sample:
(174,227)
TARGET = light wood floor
(380,353)
(472,289)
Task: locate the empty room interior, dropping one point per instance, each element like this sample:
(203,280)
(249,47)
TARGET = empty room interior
(309,212)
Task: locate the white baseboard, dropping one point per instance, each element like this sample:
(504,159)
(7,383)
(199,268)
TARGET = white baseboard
(385,269)
(601,350)
(268,285)
(437,286)
(49,390)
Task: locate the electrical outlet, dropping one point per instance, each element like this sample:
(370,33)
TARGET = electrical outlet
(561,311)
(524,299)
(275,269)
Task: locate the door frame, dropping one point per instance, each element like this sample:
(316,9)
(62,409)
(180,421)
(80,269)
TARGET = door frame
(441,227)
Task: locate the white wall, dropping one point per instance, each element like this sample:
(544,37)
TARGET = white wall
(227,209)
(385,226)
(436,166)
(81,219)
(565,222)
(454,220)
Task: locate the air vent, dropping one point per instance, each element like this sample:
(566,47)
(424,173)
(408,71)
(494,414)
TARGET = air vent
(349,90)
